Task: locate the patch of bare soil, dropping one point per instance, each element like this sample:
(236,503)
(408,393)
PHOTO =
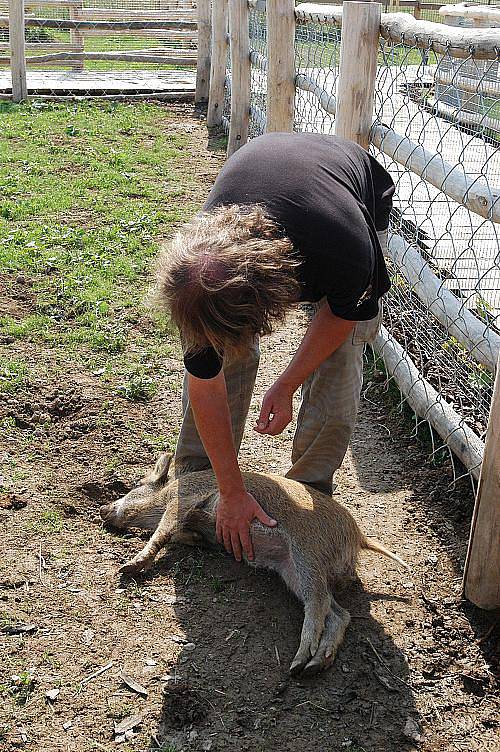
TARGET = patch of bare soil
(205,641)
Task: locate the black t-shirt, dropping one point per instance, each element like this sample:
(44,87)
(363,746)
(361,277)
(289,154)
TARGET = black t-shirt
(330,197)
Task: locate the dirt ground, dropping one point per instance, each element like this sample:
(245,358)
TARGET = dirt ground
(209,640)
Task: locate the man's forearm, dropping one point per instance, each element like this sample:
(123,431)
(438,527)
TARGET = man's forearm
(325,334)
(208,399)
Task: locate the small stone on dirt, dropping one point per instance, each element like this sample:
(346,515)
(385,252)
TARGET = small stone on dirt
(127,724)
(133,684)
(20,628)
(412,730)
(12,501)
(51,694)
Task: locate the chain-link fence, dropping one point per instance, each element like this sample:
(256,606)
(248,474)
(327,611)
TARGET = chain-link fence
(437,131)
(104,47)
(258,69)
(317,58)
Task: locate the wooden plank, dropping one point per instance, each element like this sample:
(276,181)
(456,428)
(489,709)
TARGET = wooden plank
(240,75)
(280,65)
(358,71)
(482,566)
(91,83)
(17,50)
(48,46)
(95,14)
(126,57)
(485,86)
(65,23)
(204,38)
(218,63)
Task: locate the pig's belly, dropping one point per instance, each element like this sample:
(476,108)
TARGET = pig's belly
(272,550)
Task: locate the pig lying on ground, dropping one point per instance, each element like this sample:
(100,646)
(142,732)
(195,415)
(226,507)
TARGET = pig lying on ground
(314,547)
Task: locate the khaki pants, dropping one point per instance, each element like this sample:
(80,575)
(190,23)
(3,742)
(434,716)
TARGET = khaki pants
(327,415)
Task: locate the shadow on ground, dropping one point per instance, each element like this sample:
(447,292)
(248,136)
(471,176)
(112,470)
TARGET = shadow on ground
(232,689)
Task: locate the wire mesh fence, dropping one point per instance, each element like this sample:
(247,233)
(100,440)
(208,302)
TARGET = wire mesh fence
(103,47)
(226,107)
(437,131)
(258,71)
(317,58)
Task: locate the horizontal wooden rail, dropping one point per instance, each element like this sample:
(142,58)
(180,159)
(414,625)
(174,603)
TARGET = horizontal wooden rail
(126,57)
(165,96)
(428,403)
(329,14)
(65,23)
(462,116)
(403,28)
(258,60)
(327,102)
(482,343)
(167,7)
(487,14)
(90,14)
(486,87)
(473,194)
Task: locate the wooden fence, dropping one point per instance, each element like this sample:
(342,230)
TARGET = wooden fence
(181,27)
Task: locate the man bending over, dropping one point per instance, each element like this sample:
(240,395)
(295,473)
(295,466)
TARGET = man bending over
(292,217)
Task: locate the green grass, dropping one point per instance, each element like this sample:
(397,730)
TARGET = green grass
(86,192)
(12,375)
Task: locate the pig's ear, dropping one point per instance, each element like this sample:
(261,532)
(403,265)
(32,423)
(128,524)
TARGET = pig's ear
(159,475)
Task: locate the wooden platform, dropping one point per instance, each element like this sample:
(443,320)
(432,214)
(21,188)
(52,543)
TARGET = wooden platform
(168,84)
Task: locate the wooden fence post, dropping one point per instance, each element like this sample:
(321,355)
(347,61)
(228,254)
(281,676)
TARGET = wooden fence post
(203,54)
(240,75)
(482,565)
(358,70)
(17,50)
(281,65)
(76,37)
(218,63)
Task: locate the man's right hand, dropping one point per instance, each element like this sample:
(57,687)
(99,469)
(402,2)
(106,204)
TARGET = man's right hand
(235,514)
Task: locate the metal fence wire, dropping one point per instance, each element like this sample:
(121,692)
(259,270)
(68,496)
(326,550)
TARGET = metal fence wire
(444,246)
(437,131)
(258,71)
(317,58)
(226,106)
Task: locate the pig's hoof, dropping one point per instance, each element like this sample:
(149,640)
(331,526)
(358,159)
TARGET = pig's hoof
(298,664)
(134,567)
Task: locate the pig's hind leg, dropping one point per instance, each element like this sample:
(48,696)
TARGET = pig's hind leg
(336,623)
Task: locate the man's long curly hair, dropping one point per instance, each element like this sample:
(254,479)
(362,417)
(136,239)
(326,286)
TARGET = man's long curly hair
(228,275)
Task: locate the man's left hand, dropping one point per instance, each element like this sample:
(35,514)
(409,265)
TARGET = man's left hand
(276,411)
